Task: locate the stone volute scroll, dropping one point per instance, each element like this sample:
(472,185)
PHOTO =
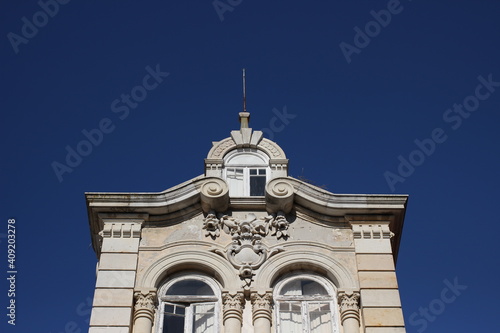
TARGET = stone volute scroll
(214,194)
(279,195)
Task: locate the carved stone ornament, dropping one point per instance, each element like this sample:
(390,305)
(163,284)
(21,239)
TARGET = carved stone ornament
(279,227)
(279,195)
(233,305)
(261,305)
(211,225)
(276,225)
(145,304)
(247,252)
(349,305)
(214,194)
(144,300)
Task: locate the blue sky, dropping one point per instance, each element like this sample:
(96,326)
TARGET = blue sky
(369,87)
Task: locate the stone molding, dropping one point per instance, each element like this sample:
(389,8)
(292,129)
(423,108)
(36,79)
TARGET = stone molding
(238,140)
(221,148)
(272,149)
(185,199)
(121,230)
(188,257)
(262,305)
(308,257)
(145,304)
(349,305)
(233,305)
(372,230)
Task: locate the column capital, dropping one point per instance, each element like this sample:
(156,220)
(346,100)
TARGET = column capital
(349,305)
(145,303)
(262,303)
(233,305)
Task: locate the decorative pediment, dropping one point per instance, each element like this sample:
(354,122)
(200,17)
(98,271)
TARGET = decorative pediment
(245,139)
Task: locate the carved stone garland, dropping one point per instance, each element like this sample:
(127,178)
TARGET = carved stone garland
(247,252)
(277,225)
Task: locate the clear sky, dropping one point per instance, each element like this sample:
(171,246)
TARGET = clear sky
(368,97)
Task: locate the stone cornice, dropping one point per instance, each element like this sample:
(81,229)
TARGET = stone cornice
(186,199)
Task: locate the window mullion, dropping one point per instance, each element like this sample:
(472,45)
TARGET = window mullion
(305,317)
(188,319)
(246,181)
(161,316)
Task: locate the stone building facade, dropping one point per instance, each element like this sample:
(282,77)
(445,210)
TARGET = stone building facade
(246,248)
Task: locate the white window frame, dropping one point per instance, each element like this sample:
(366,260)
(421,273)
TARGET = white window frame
(181,301)
(306,300)
(246,167)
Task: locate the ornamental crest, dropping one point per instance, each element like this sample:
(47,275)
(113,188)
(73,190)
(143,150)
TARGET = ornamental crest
(247,252)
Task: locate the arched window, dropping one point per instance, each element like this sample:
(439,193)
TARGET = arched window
(189,304)
(246,172)
(306,303)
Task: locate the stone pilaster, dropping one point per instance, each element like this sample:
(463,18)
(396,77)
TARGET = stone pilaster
(116,272)
(144,310)
(233,311)
(349,311)
(377,276)
(262,304)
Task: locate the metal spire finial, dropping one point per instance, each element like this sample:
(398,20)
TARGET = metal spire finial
(244,115)
(244,93)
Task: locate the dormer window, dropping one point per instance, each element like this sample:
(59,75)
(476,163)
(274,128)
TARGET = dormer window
(246,172)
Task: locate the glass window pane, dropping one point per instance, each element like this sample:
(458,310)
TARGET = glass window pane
(292,288)
(235,181)
(235,174)
(310,287)
(262,171)
(320,317)
(191,288)
(284,306)
(303,287)
(291,318)
(204,318)
(257,185)
(253,171)
(173,324)
(169,308)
